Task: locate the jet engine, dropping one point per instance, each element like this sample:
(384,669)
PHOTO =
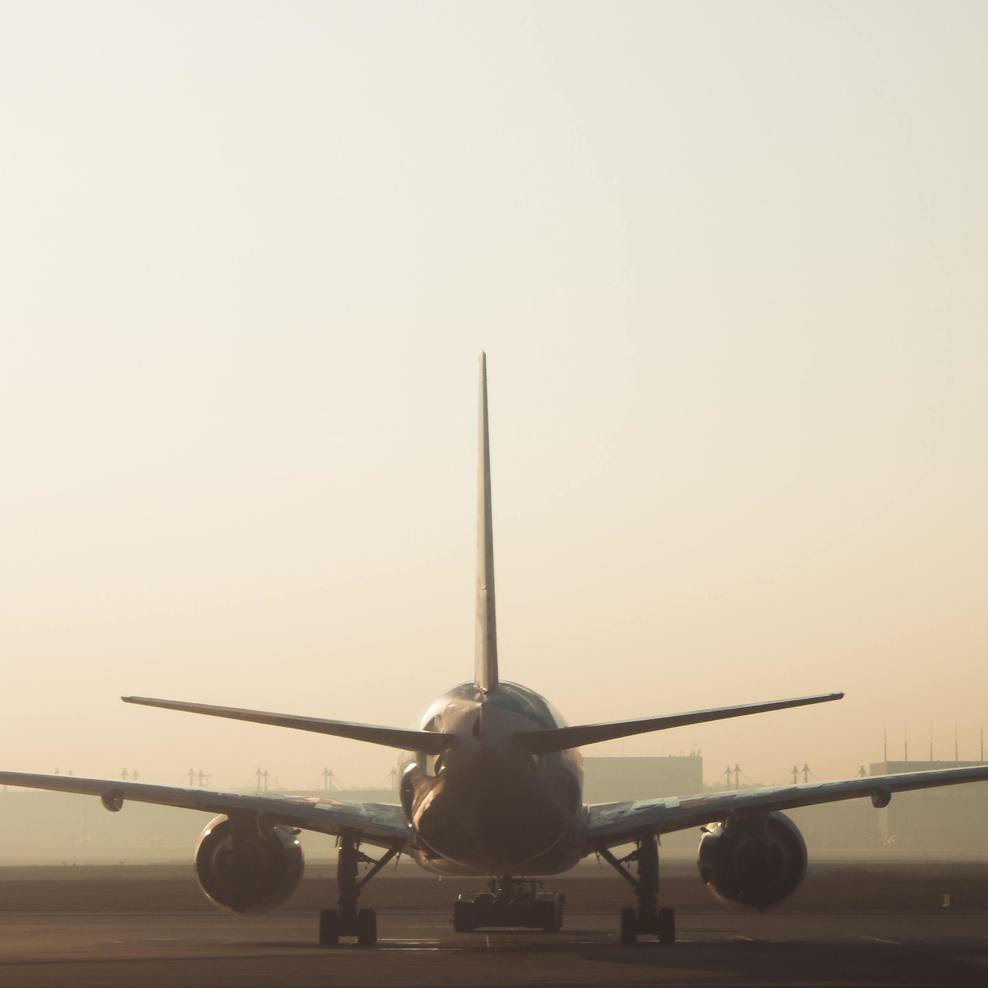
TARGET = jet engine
(754,860)
(245,869)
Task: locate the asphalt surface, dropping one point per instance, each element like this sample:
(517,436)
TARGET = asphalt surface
(419,948)
(91,930)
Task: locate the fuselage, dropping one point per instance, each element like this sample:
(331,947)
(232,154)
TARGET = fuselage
(484,805)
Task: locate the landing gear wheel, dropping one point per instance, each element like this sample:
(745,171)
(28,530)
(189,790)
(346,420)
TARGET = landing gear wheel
(367,927)
(666,923)
(463,917)
(629,925)
(329,927)
(647,919)
(554,919)
(347,920)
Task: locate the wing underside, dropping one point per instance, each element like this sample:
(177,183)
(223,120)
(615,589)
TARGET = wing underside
(377,823)
(615,823)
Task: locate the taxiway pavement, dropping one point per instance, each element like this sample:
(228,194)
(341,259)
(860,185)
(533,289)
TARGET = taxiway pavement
(418,948)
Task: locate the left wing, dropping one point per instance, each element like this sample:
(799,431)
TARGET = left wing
(377,823)
(616,823)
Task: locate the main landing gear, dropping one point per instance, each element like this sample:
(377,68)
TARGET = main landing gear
(510,902)
(348,920)
(647,918)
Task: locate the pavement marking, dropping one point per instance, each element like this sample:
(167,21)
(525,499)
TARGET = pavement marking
(410,944)
(894,943)
(408,947)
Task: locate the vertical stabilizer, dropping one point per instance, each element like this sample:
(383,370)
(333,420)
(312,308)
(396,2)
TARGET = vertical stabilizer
(485,658)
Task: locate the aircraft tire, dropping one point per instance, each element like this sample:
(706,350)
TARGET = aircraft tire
(367,927)
(554,909)
(463,920)
(329,928)
(667,925)
(629,925)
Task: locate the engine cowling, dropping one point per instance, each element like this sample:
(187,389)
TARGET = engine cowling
(258,874)
(754,860)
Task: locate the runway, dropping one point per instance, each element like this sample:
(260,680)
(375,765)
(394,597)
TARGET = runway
(852,923)
(419,948)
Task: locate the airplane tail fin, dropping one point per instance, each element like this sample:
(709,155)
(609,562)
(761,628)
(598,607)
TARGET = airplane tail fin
(485,651)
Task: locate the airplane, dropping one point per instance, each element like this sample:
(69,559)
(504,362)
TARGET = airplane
(492,787)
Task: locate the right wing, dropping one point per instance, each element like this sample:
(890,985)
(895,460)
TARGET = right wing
(377,823)
(615,823)
(431,742)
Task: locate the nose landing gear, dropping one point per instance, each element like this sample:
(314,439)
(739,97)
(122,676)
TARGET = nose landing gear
(510,902)
(648,918)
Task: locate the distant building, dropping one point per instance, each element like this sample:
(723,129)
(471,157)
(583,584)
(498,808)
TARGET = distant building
(611,780)
(850,825)
(614,780)
(950,818)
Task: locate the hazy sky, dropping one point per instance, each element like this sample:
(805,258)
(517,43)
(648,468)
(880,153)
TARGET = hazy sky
(729,264)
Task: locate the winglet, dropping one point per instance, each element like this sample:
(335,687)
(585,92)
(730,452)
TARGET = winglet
(485,651)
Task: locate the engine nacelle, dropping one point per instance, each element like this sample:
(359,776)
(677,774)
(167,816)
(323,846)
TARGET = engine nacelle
(257,875)
(754,860)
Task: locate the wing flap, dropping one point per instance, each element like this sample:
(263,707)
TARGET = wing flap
(431,742)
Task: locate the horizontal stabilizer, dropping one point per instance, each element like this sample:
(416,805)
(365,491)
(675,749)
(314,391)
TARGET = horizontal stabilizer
(560,738)
(431,742)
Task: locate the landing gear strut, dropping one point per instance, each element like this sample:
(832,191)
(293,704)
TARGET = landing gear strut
(647,918)
(348,920)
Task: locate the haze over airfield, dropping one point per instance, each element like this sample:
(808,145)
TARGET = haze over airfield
(728,262)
